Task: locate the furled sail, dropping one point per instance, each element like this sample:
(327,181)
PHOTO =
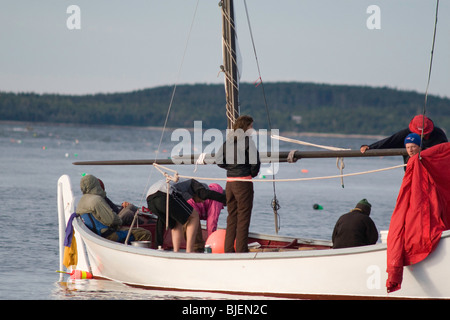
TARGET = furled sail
(421,213)
(231,62)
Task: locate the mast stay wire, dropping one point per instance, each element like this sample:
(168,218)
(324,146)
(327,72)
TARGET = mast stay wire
(275,204)
(432,55)
(172,96)
(429,75)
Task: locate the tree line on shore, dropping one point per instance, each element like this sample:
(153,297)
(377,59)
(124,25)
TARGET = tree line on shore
(292,106)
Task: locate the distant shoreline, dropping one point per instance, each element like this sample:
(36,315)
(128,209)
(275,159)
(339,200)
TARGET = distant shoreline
(151,128)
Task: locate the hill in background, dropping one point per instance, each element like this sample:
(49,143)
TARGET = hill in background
(293,106)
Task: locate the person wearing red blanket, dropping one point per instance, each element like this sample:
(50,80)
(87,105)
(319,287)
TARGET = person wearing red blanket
(421,213)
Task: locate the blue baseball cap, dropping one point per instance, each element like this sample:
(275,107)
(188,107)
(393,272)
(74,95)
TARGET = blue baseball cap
(412,138)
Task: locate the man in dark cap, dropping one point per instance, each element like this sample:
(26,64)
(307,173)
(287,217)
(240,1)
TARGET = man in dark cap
(355,228)
(419,124)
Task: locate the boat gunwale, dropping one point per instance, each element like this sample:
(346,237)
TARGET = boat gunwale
(292,254)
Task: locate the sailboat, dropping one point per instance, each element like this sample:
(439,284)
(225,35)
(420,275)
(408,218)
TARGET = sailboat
(276,266)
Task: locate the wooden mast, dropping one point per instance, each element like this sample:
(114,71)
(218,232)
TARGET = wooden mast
(229,66)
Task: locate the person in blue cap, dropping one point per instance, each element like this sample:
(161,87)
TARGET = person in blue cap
(412,144)
(420,124)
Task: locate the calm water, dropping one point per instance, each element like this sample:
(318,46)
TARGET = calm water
(33,158)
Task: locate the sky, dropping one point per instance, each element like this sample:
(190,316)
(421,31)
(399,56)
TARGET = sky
(122,46)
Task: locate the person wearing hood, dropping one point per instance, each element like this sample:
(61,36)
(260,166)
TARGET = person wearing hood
(125,211)
(431,136)
(355,228)
(98,215)
(240,158)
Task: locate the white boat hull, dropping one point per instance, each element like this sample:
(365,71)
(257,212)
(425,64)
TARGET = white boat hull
(331,273)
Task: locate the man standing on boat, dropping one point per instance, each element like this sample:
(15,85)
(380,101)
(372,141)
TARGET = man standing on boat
(240,157)
(431,136)
(355,228)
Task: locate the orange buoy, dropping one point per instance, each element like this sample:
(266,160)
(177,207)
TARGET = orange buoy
(78,274)
(217,241)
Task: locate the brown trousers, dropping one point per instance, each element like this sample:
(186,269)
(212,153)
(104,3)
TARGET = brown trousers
(239,205)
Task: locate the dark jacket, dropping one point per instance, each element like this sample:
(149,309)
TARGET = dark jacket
(191,187)
(187,189)
(354,229)
(239,156)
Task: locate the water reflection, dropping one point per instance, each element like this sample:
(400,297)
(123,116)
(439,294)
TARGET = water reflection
(95,289)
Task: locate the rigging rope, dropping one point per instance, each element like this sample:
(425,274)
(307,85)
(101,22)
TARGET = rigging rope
(431,58)
(169,178)
(275,203)
(339,161)
(172,96)
(306,143)
(287,179)
(429,76)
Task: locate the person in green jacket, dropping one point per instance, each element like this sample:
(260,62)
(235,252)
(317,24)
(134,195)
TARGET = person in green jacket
(98,215)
